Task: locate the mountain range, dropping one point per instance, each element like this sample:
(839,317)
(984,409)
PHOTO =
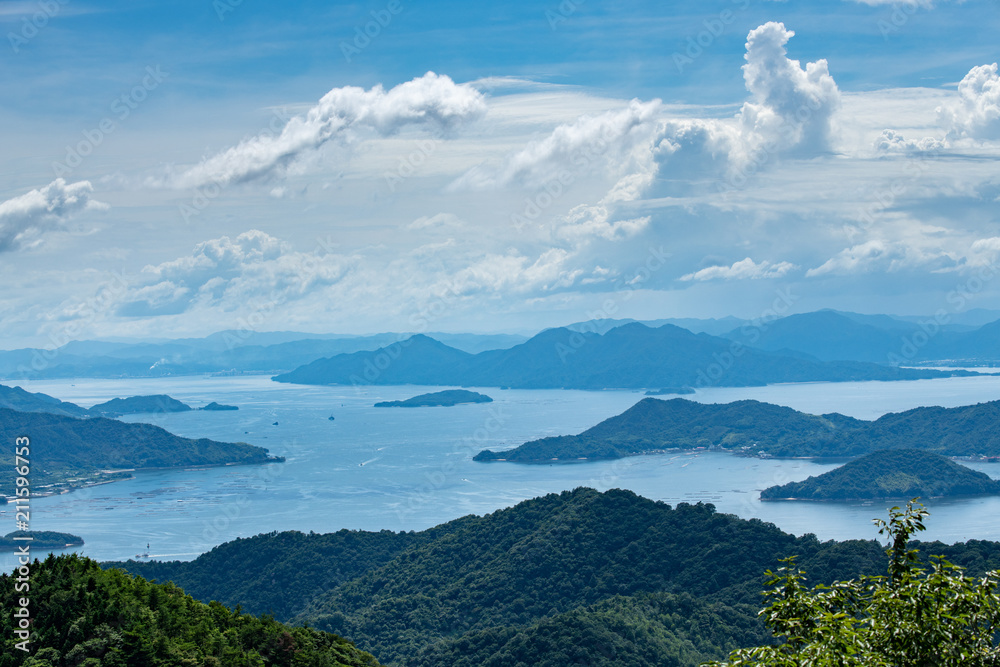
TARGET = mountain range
(631,356)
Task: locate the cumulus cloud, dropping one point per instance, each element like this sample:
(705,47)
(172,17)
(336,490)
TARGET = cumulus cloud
(791,108)
(891,141)
(790,112)
(976,114)
(431,100)
(25,217)
(229,273)
(745,269)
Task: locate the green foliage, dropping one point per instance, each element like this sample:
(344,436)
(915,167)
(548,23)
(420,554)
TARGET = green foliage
(621,578)
(646,630)
(41,539)
(754,427)
(898,473)
(278,573)
(914,617)
(83,615)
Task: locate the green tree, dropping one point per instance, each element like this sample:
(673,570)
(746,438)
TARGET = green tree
(915,616)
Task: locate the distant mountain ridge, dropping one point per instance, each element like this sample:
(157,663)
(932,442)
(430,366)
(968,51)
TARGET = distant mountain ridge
(762,429)
(830,335)
(225,351)
(632,356)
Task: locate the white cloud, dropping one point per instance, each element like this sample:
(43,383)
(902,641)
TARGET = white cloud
(229,273)
(745,269)
(857,259)
(431,100)
(791,107)
(919,246)
(891,141)
(25,217)
(581,144)
(976,114)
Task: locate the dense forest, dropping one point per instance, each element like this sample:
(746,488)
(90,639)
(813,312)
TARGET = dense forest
(40,539)
(763,429)
(892,473)
(602,576)
(84,615)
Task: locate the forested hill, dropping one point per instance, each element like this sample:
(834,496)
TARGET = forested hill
(62,447)
(15,398)
(83,615)
(632,356)
(753,427)
(897,473)
(580,577)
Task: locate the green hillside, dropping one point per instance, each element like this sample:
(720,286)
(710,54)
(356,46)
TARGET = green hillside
(606,578)
(83,615)
(65,448)
(897,473)
(763,429)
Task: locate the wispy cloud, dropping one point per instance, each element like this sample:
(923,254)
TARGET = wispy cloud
(433,100)
(745,269)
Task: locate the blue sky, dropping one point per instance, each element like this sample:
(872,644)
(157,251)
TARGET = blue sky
(253,162)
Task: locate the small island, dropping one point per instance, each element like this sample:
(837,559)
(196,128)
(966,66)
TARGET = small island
(896,473)
(439,398)
(218,406)
(669,391)
(41,539)
(160,403)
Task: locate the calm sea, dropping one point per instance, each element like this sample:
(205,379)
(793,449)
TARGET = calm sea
(409,469)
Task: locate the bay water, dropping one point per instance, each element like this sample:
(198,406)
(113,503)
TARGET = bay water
(411,468)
